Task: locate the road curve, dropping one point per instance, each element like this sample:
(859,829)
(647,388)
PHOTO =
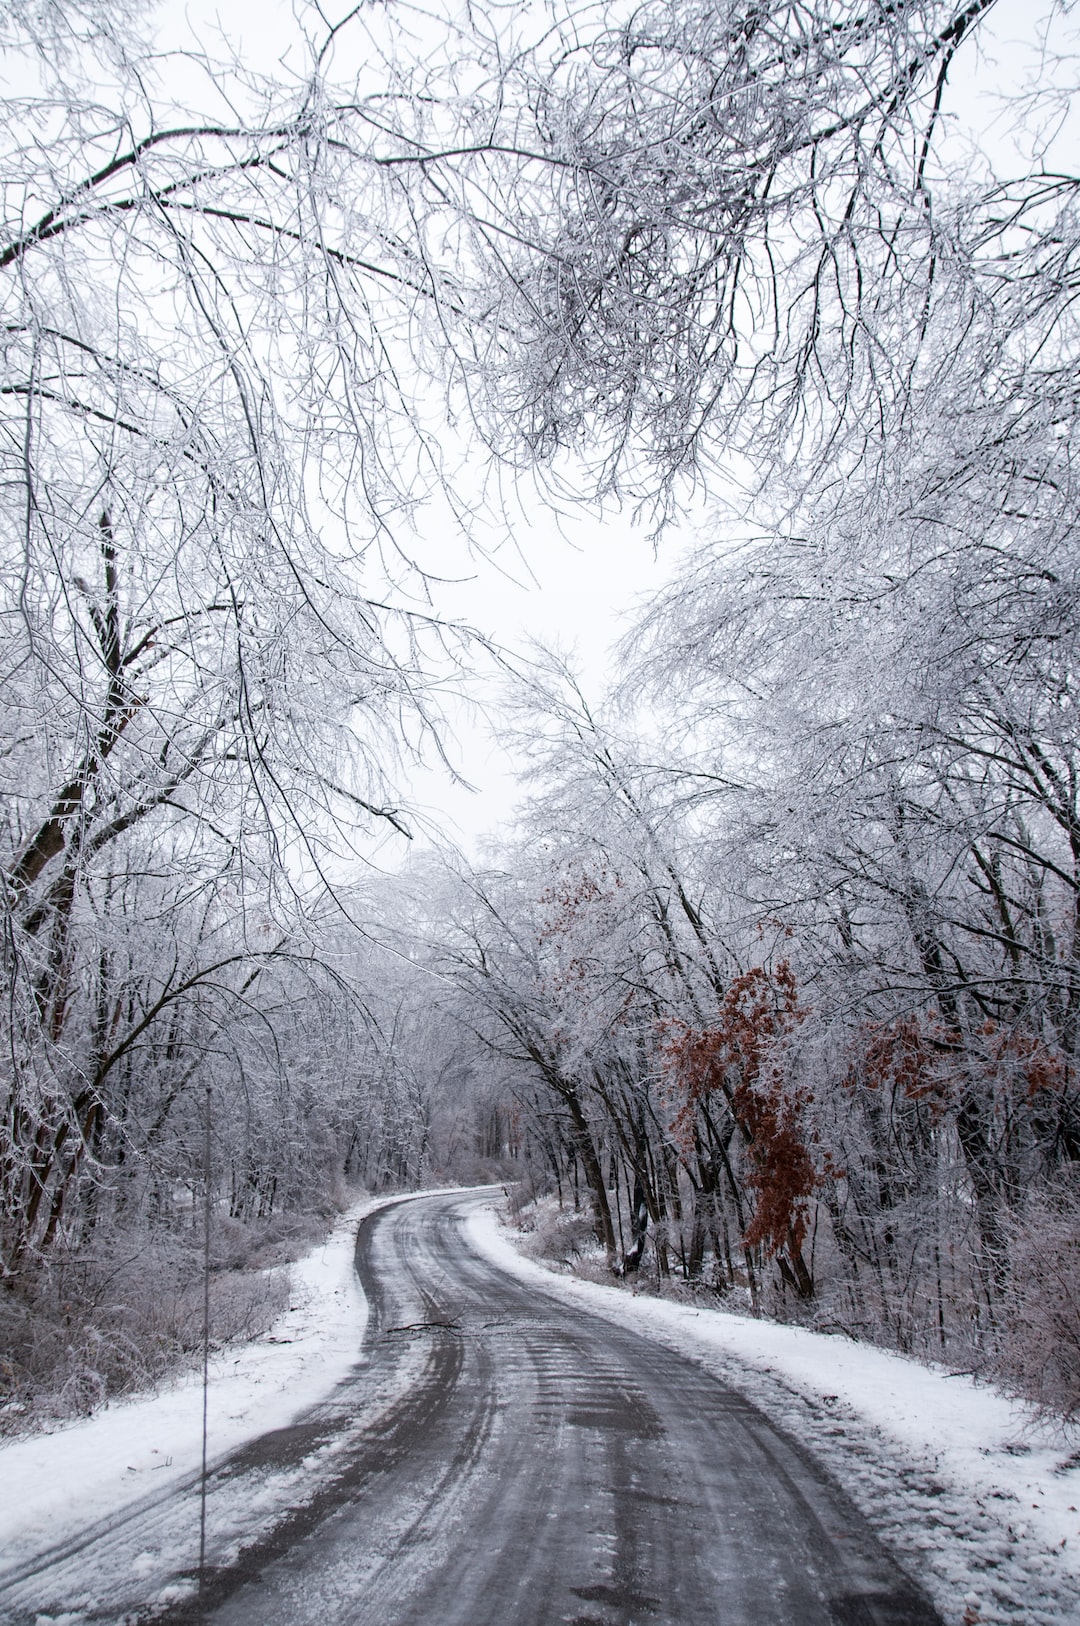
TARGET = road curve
(501,1459)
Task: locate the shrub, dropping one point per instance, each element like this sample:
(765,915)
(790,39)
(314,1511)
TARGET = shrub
(127,1313)
(1039,1344)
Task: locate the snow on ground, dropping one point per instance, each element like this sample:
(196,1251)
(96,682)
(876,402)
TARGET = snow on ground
(53,1483)
(977,1497)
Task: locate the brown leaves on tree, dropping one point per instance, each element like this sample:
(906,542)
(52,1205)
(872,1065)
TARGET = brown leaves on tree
(921,1059)
(741,1057)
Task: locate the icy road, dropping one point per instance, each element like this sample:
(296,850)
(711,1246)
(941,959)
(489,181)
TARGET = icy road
(499,1459)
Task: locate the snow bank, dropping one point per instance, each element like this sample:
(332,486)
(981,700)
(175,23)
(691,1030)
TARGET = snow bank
(131,1448)
(964,1483)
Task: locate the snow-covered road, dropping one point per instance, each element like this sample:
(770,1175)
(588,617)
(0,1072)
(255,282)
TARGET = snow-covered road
(500,1457)
(520,1447)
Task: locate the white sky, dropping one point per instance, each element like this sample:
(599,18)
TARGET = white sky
(587,575)
(583,575)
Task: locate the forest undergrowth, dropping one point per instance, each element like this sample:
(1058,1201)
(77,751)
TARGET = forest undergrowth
(126,1314)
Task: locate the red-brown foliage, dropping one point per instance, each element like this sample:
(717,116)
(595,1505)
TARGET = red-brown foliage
(922,1060)
(575,908)
(904,1056)
(741,1057)
(1023,1058)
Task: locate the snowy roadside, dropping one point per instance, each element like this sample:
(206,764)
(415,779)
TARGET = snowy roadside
(975,1496)
(55,1483)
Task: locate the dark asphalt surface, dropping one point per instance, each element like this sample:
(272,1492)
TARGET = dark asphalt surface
(501,1459)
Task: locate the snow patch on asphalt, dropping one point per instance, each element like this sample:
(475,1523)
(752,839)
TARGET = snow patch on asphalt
(58,1483)
(977,1497)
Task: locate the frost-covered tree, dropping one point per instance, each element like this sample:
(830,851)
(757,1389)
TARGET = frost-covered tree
(719,230)
(215,644)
